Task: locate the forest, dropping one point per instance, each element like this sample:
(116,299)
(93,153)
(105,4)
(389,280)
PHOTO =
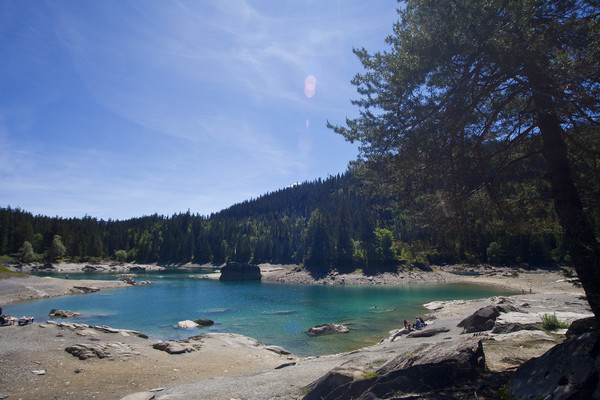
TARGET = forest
(331,224)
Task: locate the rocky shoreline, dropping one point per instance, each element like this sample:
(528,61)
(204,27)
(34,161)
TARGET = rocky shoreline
(226,366)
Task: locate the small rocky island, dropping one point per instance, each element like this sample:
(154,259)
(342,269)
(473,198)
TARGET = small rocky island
(234,271)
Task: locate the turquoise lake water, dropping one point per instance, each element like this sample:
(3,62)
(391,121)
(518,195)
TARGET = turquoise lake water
(275,314)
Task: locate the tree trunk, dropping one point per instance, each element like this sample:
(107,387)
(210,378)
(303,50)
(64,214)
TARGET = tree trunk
(579,232)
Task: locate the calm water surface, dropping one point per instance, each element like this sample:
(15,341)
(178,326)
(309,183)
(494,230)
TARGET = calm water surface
(271,313)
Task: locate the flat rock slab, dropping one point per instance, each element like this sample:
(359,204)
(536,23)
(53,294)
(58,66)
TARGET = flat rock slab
(85,351)
(428,332)
(139,396)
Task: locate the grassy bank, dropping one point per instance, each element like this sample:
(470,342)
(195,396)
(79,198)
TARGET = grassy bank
(6,273)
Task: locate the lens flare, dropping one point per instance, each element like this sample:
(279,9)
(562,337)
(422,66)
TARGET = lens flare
(310,84)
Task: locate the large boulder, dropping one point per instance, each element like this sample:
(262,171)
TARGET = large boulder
(173,347)
(327,329)
(484,319)
(428,368)
(234,271)
(179,346)
(570,370)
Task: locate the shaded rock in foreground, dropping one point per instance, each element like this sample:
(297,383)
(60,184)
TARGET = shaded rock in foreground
(234,271)
(429,368)
(570,370)
(581,326)
(327,329)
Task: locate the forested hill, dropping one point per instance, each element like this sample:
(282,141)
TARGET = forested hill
(322,224)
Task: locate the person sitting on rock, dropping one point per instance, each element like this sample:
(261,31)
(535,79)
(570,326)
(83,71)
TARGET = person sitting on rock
(7,320)
(422,322)
(25,321)
(418,324)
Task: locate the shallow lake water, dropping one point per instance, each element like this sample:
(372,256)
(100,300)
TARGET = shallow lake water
(275,314)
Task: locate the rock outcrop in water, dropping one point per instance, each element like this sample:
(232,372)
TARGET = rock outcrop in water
(327,329)
(187,324)
(234,271)
(63,314)
(204,322)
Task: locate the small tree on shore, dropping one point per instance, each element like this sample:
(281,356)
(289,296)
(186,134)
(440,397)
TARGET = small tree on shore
(26,253)
(57,249)
(120,255)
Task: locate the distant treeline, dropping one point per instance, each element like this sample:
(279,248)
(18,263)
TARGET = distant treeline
(324,224)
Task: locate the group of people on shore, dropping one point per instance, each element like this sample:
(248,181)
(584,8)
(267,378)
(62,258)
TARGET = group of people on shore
(418,325)
(6,320)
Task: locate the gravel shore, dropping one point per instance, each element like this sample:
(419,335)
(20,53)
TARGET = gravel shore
(226,366)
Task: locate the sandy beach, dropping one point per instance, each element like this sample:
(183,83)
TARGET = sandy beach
(35,363)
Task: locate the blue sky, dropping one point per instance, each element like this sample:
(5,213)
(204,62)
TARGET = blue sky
(118,109)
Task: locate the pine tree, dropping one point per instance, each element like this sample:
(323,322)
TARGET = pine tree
(469,93)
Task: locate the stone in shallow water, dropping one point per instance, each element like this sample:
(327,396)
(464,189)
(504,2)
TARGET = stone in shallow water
(204,322)
(327,329)
(187,324)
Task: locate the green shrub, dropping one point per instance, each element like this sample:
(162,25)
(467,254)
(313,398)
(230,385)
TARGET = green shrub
(551,323)
(504,393)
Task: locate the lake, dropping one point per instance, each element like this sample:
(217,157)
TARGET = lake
(275,314)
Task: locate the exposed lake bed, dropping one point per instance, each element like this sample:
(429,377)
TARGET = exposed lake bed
(217,370)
